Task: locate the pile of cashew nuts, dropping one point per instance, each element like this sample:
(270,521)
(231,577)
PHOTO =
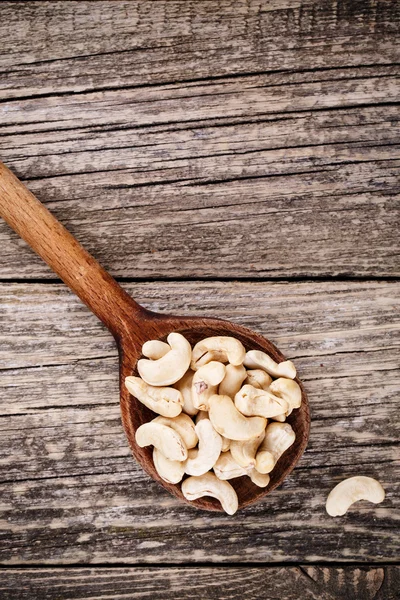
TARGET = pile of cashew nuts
(222,413)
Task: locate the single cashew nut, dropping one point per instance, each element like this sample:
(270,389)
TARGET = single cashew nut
(183,425)
(184,385)
(209,485)
(226,468)
(170,471)
(210,446)
(254,402)
(209,356)
(345,493)
(244,453)
(164,438)
(205,383)
(164,401)
(171,367)
(255,359)
(287,389)
(258,379)
(260,479)
(228,349)
(290,391)
(155,349)
(231,383)
(230,423)
(278,438)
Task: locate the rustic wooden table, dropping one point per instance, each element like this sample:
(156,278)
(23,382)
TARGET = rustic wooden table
(235,159)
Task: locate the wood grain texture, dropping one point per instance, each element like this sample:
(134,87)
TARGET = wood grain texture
(261,137)
(208,583)
(79,46)
(341,220)
(229,98)
(71,492)
(215,140)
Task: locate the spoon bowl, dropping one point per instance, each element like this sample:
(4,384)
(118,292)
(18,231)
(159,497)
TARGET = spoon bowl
(134,413)
(132,325)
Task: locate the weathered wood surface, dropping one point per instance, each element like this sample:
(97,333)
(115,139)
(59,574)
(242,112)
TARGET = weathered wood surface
(64,47)
(71,492)
(315,583)
(215,140)
(171,137)
(145,212)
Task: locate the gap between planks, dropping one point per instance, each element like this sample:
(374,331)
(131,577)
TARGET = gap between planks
(287,279)
(200,565)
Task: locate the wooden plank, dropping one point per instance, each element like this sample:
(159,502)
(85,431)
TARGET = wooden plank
(176,103)
(72,494)
(319,583)
(77,46)
(343,222)
(208,135)
(202,151)
(219,194)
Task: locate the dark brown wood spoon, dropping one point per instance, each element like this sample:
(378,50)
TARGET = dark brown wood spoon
(132,325)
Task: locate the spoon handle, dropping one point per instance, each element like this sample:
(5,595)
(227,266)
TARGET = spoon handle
(63,253)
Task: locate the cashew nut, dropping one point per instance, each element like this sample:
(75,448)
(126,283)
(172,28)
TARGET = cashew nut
(205,383)
(260,479)
(184,385)
(171,367)
(203,414)
(252,401)
(210,445)
(183,425)
(209,485)
(244,453)
(208,357)
(231,383)
(281,418)
(155,349)
(278,438)
(164,401)
(230,423)
(226,444)
(287,389)
(164,438)
(226,468)
(228,349)
(255,359)
(290,391)
(258,379)
(170,471)
(214,415)
(345,493)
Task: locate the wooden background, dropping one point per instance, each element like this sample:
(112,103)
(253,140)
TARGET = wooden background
(227,158)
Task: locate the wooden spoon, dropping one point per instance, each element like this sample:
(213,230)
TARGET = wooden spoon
(131,325)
